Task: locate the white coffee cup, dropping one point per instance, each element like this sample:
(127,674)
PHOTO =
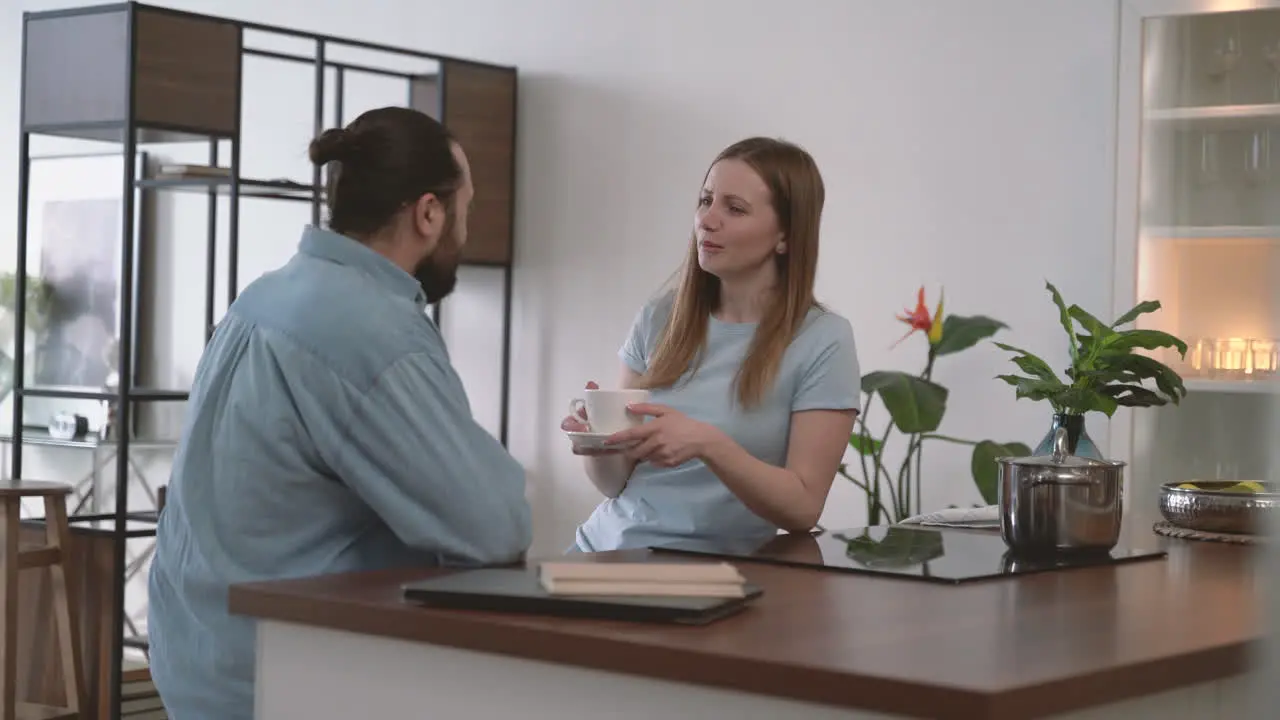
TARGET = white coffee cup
(607,409)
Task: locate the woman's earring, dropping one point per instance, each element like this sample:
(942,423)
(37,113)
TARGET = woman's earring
(781,248)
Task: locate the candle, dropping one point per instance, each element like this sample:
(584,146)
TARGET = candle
(1200,356)
(1231,356)
(1262,356)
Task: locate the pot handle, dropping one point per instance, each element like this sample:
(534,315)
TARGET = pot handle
(1067,482)
(1060,450)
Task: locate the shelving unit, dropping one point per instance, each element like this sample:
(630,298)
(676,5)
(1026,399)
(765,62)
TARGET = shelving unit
(1206,385)
(265,189)
(1213,233)
(1211,185)
(1198,228)
(137,78)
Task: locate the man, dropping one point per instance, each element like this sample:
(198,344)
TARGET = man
(327,430)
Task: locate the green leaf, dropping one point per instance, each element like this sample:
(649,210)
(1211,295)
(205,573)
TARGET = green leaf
(1147,306)
(1085,341)
(1035,388)
(1137,368)
(985,469)
(1033,365)
(915,404)
(1146,340)
(960,332)
(1029,363)
(1133,396)
(864,444)
(1097,329)
(1065,318)
(1097,402)
(1081,400)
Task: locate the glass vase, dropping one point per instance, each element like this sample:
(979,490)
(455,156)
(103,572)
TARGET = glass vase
(1078,441)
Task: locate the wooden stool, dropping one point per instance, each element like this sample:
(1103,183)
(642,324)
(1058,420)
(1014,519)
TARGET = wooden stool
(50,555)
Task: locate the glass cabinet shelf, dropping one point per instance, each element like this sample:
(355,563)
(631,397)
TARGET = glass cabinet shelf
(1207,240)
(1219,117)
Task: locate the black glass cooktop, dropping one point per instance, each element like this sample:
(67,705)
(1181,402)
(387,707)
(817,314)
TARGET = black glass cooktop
(930,554)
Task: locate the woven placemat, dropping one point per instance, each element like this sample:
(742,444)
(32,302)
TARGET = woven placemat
(1171,530)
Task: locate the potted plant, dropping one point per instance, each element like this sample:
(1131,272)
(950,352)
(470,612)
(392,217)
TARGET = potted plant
(38,298)
(916,404)
(38,294)
(1106,371)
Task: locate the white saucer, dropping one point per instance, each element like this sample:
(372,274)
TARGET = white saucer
(590,440)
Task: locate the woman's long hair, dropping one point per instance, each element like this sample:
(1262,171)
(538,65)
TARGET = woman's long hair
(797,194)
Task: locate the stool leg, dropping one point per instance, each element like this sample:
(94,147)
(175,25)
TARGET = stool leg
(9,517)
(58,534)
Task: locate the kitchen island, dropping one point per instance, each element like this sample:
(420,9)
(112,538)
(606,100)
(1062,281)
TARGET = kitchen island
(1165,638)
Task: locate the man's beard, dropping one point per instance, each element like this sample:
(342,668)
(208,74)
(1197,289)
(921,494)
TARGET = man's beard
(438,272)
(438,276)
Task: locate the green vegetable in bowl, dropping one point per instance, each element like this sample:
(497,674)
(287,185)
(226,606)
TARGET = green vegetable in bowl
(1244,486)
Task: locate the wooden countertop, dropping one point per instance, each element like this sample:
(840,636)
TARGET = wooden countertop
(1004,648)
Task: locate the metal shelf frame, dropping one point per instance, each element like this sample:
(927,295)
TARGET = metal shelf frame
(130,132)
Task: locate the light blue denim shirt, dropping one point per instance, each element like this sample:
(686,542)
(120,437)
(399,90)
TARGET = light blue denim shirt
(326,432)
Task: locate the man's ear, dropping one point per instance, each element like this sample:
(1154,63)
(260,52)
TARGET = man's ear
(429,215)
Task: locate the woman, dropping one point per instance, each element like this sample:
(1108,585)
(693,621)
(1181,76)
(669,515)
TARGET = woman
(754,387)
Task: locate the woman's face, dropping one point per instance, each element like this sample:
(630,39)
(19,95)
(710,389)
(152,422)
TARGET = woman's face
(735,226)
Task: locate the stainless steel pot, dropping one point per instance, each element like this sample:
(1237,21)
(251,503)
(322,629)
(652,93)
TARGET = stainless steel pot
(1061,502)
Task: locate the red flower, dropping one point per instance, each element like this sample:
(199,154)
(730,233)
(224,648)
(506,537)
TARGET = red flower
(919,319)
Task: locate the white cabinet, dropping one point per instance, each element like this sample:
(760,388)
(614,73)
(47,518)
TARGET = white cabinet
(1198,228)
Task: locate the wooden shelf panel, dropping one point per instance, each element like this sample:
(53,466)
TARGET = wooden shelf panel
(479,105)
(79,65)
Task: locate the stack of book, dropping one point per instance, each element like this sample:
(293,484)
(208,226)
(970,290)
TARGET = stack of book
(711,580)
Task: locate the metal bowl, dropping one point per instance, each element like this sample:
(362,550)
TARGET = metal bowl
(1210,507)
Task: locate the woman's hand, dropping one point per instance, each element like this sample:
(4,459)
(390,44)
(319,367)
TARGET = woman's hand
(671,438)
(578,423)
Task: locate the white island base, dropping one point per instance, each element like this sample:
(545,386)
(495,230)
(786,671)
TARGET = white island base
(317,673)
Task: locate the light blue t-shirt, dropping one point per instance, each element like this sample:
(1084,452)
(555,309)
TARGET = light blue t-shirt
(662,505)
(326,432)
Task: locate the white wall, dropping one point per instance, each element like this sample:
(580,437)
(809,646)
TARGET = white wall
(965,144)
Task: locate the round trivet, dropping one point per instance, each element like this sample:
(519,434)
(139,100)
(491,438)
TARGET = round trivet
(1171,530)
